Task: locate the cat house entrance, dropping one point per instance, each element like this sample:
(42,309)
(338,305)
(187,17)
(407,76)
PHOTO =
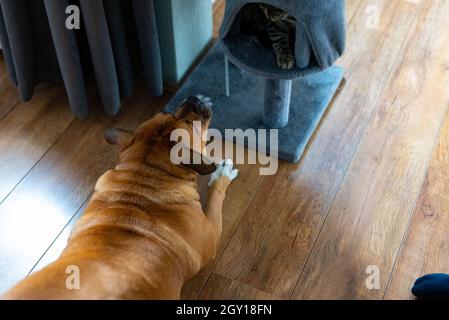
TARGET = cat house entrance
(261,39)
(319,29)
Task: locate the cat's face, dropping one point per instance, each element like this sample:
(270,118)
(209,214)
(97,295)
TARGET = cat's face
(274,14)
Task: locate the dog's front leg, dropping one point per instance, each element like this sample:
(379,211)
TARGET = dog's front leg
(219,182)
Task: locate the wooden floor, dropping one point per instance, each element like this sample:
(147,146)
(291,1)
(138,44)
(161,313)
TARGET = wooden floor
(371,190)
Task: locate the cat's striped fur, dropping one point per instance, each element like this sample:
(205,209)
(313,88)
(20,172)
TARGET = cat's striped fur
(277,24)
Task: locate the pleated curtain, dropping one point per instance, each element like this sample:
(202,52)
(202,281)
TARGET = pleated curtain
(117,41)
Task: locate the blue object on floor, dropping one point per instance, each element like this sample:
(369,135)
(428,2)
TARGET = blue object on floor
(432,286)
(244,107)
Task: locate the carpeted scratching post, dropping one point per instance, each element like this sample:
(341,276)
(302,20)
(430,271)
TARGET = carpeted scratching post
(277,103)
(250,91)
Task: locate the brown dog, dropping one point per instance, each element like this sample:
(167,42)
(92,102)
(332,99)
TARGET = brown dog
(144,232)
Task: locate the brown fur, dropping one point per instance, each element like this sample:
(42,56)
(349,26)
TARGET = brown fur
(144,232)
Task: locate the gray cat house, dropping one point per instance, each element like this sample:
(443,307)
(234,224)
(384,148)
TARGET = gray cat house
(250,91)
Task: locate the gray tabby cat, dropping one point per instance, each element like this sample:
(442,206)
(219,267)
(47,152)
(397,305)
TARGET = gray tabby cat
(278,24)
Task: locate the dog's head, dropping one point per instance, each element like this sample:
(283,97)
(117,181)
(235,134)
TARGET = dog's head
(151,141)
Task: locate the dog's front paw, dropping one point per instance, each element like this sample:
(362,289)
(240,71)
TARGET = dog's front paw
(225,169)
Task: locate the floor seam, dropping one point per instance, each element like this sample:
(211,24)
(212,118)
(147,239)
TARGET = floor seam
(36,163)
(10,110)
(59,234)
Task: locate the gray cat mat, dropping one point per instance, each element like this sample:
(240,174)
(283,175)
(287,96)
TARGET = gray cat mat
(311,96)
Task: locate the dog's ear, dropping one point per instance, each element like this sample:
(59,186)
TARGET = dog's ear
(119,136)
(207,166)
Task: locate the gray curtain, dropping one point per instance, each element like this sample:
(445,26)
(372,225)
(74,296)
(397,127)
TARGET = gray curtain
(117,40)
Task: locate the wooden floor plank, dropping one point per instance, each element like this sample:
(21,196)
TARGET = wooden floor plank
(28,131)
(426,246)
(222,288)
(272,242)
(427,243)
(369,216)
(38,209)
(9,95)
